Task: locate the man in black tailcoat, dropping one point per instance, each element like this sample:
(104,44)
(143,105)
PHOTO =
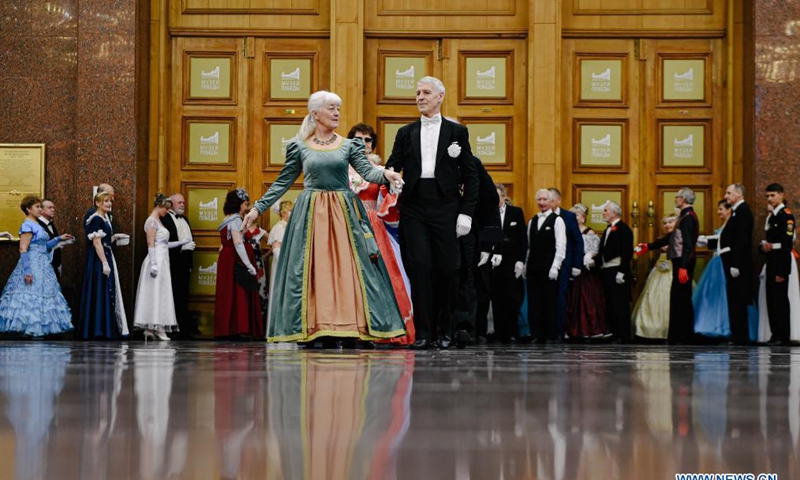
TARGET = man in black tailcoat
(736,241)
(180,263)
(435,157)
(616,251)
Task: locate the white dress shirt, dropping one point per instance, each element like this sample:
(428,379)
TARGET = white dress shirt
(429,142)
(182,226)
(561,237)
(503,215)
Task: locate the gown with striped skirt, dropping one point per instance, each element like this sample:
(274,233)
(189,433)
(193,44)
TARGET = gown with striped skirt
(331,281)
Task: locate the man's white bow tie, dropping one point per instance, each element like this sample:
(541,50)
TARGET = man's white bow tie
(429,121)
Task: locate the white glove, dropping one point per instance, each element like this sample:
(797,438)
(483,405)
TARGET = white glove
(702,241)
(735,272)
(242,253)
(463,225)
(484,258)
(179,243)
(154,271)
(519,269)
(620,278)
(106,269)
(553,275)
(575,272)
(189,246)
(588,261)
(496,260)
(663,266)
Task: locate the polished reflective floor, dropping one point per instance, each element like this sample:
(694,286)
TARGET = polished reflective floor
(221,410)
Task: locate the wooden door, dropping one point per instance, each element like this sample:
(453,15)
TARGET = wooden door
(485,90)
(643,118)
(234,104)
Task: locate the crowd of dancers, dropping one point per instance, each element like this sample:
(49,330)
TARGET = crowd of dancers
(436,257)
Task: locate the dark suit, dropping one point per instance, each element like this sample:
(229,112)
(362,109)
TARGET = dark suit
(52,232)
(473,287)
(617,243)
(574,259)
(682,252)
(738,236)
(180,267)
(507,290)
(780,233)
(429,210)
(542,291)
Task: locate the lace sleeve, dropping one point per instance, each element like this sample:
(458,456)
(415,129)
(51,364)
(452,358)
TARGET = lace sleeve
(150,224)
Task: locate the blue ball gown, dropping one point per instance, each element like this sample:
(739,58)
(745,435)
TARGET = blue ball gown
(37,309)
(102,314)
(711,301)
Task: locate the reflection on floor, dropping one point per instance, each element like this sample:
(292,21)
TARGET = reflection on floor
(221,410)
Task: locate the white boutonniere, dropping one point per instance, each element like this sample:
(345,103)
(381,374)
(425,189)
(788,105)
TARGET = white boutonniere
(454,150)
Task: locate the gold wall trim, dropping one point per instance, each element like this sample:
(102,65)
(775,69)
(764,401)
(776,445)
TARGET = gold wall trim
(186,9)
(643,33)
(432,12)
(246,32)
(405,34)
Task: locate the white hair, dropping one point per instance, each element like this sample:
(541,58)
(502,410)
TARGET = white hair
(437,84)
(316,102)
(545,190)
(615,209)
(687,195)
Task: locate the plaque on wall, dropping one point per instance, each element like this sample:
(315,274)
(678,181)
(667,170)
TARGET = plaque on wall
(683,79)
(387,138)
(210,143)
(279,135)
(204,206)
(601,80)
(401,75)
(210,77)
(489,142)
(683,146)
(21,173)
(290,78)
(596,201)
(486,77)
(600,145)
(203,279)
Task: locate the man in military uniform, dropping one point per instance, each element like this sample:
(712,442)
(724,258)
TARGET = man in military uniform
(778,249)
(682,244)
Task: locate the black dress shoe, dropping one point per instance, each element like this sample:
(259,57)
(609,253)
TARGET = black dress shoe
(420,344)
(463,339)
(444,342)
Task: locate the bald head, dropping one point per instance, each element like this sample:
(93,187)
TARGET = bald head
(178,203)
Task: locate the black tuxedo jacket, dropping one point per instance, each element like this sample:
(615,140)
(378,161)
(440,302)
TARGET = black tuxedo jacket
(515,238)
(619,244)
(780,232)
(738,235)
(450,172)
(487,215)
(177,258)
(52,234)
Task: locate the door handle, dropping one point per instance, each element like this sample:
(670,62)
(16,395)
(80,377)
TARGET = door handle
(635,214)
(651,214)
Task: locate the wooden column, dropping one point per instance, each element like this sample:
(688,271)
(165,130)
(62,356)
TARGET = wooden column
(544,98)
(347,59)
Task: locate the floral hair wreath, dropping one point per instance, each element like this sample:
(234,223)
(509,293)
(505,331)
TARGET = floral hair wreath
(242,194)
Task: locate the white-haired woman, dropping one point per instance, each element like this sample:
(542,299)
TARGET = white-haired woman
(331,281)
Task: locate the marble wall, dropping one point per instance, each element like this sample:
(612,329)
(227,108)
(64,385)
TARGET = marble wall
(71,77)
(776,108)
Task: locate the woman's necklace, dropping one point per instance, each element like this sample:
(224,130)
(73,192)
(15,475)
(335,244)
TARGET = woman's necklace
(325,142)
